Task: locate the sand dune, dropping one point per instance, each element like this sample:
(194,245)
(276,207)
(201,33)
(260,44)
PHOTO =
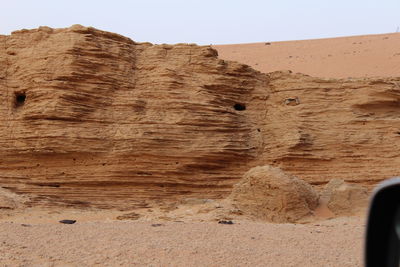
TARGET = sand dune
(355,56)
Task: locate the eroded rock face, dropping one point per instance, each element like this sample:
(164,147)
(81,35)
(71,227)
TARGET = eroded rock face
(267,193)
(10,200)
(339,129)
(93,118)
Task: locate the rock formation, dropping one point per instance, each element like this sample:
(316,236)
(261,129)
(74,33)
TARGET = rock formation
(268,193)
(343,198)
(343,129)
(10,200)
(93,118)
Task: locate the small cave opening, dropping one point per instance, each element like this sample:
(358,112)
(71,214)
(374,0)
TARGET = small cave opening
(20,98)
(239,107)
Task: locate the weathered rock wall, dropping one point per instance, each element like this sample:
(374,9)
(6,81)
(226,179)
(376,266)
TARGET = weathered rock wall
(327,128)
(92,118)
(107,120)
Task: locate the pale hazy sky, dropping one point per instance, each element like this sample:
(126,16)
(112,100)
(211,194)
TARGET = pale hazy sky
(207,21)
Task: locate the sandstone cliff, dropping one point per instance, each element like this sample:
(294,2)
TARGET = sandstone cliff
(326,128)
(93,118)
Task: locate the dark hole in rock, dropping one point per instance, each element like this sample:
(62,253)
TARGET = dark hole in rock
(292,101)
(20,98)
(239,107)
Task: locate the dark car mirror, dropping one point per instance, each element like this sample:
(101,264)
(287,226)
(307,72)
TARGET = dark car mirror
(382,243)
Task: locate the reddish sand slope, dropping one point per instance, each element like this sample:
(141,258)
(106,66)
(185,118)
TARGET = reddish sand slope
(356,56)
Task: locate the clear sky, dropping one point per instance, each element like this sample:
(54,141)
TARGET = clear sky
(208,21)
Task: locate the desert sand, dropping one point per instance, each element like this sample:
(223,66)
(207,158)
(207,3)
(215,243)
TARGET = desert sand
(190,233)
(148,186)
(343,57)
(106,243)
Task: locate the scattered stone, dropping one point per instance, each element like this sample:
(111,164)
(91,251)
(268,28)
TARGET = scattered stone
(225,222)
(68,221)
(26,225)
(157,224)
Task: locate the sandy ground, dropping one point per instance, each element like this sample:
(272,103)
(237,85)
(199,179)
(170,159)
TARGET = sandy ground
(186,235)
(356,56)
(335,242)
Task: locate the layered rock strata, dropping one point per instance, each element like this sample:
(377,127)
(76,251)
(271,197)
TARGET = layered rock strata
(93,118)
